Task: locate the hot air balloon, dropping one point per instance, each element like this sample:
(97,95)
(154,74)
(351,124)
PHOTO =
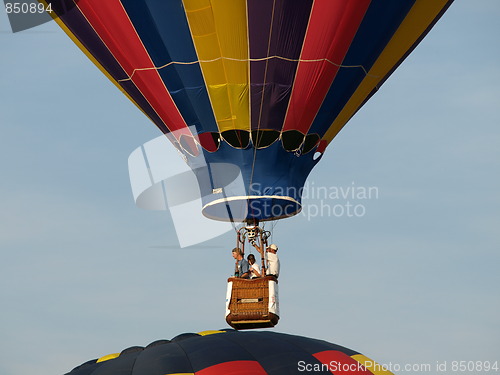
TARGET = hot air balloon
(250,88)
(234,352)
(261,84)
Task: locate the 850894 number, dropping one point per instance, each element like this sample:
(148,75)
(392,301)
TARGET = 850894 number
(27,8)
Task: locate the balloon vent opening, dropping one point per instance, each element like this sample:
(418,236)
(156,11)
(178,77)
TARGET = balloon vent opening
(245,208)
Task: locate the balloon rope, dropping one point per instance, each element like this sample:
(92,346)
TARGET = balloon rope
(247,60)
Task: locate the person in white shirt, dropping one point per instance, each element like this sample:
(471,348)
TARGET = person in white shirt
(254,267)
(273,262)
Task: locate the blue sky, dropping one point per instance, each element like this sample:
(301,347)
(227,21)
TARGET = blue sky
(416,280)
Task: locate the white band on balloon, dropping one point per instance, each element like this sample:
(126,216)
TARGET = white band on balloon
(243,200)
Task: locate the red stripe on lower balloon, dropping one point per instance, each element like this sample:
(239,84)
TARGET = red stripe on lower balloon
(340,363)
(234,368)
(332,28)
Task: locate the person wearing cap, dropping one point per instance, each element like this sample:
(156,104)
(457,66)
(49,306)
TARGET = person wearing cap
(272,260)
(241,267)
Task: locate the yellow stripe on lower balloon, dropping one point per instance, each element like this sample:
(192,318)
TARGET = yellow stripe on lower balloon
(219,32)
(108,357)
(209,332)
(371,365)
(414,25)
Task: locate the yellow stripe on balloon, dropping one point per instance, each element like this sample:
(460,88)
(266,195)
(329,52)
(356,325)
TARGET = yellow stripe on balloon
(371,365)
(420,17)
(209,332)
(108,357)
(219,31)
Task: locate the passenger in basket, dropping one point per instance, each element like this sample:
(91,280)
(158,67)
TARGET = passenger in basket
(273,262)
(254,267)
(241,267)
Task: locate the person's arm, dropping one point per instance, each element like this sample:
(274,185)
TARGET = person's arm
(255,270)
(236,269)
(263,258)
(258,248)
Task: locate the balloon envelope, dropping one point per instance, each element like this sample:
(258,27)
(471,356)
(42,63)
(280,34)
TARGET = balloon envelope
(233,352)
(262,84)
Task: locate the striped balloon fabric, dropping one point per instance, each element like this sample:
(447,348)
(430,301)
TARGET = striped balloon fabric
(242,76)
(234,352)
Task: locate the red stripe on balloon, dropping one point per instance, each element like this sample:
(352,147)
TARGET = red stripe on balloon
(340,363)
(331,29)
(234,368)
(111,22)
(322,146)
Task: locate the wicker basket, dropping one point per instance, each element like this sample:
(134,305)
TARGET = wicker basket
(249,303)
